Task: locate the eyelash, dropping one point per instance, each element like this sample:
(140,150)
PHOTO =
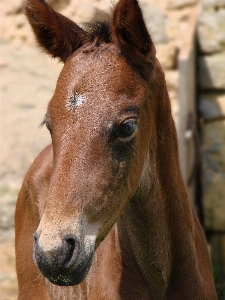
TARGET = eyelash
(48,127)
(46,123)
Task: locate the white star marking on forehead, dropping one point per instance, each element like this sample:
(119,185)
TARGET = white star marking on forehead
(76,100)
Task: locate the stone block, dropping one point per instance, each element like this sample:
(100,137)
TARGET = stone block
(28,80)
(155,20)
(211,31)
(212,4)
(213,167)
(211,73)
(212,106)
(172,81)
(177,4)
(167,55)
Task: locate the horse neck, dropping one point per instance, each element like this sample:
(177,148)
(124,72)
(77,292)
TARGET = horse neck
(157,227)
(158,219)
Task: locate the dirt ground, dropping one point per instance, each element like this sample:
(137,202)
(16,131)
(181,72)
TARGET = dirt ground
(8,280)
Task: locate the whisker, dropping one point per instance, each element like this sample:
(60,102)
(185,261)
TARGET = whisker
(35,279)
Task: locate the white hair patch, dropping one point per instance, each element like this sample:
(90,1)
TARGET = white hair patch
(76,100)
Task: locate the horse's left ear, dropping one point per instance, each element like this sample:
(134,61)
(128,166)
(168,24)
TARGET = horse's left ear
(128,28)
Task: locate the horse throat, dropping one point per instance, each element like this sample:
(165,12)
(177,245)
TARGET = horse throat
(143,231)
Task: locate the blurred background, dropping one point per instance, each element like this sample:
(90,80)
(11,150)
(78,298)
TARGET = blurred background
(190,43)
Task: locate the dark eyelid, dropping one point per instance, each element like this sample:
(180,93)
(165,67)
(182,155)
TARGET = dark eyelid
(126,117)
(131,110)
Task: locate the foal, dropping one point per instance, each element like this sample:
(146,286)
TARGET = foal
(103,213)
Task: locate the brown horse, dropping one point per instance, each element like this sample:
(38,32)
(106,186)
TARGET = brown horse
(103,210)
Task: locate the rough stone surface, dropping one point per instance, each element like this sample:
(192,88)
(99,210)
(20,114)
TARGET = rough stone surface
(180,3)
(212,71)
(213,158)
(156,22)
(27,84)
(211,31)
(172,81)
(212,4)
(8,280)
(212,106)
(167,55)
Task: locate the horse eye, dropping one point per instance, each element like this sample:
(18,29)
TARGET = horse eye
(127,128)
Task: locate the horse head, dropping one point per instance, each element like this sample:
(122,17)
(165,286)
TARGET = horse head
(102,122)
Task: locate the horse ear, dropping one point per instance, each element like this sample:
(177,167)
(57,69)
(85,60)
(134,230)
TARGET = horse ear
(56,34)
(129,28)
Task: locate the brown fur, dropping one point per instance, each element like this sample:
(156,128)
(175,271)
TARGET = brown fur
(95,192)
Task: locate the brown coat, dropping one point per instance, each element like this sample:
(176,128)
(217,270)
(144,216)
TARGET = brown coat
(106,202)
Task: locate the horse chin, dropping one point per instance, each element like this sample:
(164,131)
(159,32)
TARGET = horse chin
(72,275)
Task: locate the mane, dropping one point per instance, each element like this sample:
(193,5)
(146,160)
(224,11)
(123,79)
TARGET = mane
(99,27)
(99,30)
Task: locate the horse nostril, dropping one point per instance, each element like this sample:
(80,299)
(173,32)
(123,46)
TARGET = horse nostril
(71,246)
(71,242)
(35,237)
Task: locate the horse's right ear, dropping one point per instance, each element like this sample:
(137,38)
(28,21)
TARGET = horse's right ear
(56,34)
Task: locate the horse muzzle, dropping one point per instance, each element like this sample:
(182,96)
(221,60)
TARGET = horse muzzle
(64,265)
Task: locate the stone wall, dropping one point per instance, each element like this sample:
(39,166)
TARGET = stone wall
(211,106)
